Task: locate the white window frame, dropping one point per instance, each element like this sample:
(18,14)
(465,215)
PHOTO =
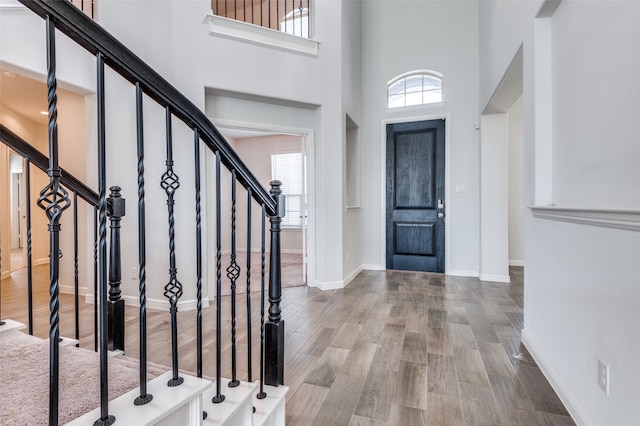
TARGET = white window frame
(421,73)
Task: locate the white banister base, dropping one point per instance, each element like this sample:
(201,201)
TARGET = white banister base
(235,410)
(181,405)
(270,411)
(11,325)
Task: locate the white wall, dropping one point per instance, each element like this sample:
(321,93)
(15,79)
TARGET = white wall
(581,286)
(494,189)
(516,185)
(400,36)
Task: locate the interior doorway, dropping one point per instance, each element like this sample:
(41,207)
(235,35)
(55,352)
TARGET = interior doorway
(273,155)
(17,213)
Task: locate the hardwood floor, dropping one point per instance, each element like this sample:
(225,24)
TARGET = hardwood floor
(393,348)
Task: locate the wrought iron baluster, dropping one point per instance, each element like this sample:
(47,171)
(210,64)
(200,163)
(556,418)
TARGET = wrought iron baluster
(53,199)
(144,396)
(95,279)
(219,397)
(76,282)
(249,341)
(196,147)
(233,271)
(105,419)
(27,177)
(262,394)
(173,289)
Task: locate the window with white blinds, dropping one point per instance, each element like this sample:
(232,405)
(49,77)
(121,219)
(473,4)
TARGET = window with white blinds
(287,168)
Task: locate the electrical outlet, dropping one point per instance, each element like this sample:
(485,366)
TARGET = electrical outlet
(134,273)
(603,376)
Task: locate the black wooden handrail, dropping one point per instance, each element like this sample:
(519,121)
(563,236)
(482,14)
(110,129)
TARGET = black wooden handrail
(84,31)
(41,161)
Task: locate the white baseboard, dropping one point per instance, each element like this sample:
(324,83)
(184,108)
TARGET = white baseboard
(516,263)
(69,289)
(565,396)
(352,275)
(329,285)
(372,267)
(42,261)
(495,278)
(157,304)
(290,251)
(463,273)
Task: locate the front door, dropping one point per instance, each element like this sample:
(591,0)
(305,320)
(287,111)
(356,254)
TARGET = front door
(415,196)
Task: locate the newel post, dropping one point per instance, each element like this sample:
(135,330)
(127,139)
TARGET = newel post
(274,328)
(116,303)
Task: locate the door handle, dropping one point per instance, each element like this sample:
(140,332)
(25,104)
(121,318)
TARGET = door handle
(440,215)
(440,204)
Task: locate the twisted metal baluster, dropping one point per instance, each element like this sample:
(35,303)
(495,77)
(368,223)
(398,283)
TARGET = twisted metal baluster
(262,394)
(196,147)
(219,397)
(249,361)
(173,289)
(233,272)
(53,199)
(144,396)
(29,251)
(105,419)
(76,280)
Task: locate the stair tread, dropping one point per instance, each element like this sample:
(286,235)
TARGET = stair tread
(218,414)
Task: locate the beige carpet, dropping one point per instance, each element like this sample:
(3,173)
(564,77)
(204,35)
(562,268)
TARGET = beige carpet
(24,379)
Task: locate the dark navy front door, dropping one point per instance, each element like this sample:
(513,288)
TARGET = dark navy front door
(415,196)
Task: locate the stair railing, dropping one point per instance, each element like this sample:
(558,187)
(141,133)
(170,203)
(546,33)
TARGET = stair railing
(109,52)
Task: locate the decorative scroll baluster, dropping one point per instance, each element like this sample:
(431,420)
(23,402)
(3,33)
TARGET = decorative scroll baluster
(219,397)
(76,282)
(196,147)
(262,394)
(116,303)
(274,332)
(53,199)
(27,176)
(233,271)
(173,289)
(144,397)
(249,341)
(105,419)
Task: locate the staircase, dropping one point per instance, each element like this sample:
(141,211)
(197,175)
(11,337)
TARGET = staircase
(174,398)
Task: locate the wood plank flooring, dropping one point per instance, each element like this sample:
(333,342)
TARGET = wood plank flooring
(393,348)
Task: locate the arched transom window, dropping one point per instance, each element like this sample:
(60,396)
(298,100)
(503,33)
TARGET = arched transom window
(414,88)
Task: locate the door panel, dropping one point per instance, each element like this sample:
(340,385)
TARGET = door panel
(415,184)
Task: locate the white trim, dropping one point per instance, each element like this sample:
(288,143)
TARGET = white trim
(5,275)
(352,275)
(329,285)
(372,267)
(621,219)
(16,7)
(70,289)
(308,136)
(290,251)
(463,273)
(516,262)
(41,261)
(495,278)
(572,406)
(447,175)
(243,31)
(157,304)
